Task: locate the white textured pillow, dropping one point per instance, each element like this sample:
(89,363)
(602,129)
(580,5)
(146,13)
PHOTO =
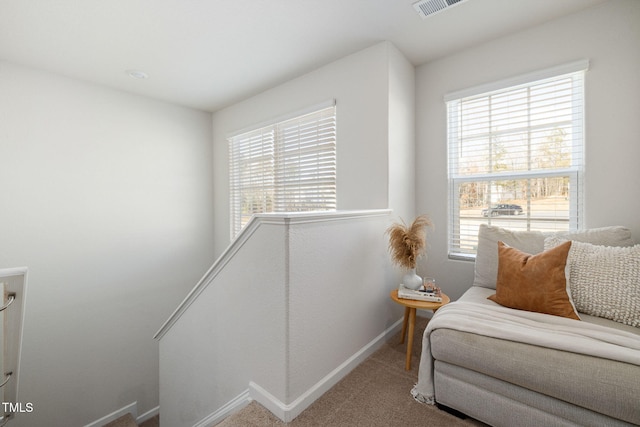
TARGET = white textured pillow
(604,280)
(532,242)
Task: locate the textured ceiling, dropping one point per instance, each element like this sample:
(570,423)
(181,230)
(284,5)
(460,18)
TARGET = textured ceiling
(207,54)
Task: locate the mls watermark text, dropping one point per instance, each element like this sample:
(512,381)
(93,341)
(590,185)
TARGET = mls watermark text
(17,407)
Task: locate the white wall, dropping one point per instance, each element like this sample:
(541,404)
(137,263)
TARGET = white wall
(303,299)
(362,85)
(402,148)
(106,198)
(233,333)
(609,36)
(338,296)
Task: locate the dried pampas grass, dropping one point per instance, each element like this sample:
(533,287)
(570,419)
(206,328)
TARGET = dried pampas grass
(406,244)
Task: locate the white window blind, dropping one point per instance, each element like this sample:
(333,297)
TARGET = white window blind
(516,159)
(289,166)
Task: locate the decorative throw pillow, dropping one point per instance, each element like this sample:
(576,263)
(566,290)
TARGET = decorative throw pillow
(534,282)
(604,280)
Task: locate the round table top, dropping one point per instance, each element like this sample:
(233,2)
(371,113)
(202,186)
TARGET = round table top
(425,305)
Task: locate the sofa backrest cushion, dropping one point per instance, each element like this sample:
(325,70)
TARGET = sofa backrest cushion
(532,242)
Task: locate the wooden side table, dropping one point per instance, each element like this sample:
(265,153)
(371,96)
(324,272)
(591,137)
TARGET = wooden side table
(410,307)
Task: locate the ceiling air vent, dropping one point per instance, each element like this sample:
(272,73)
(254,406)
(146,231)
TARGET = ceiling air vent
(427,8)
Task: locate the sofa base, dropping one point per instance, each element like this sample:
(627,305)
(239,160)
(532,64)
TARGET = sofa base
(499,403)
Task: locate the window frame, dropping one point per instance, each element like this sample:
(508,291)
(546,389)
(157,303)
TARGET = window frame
(314,167)
(574,173)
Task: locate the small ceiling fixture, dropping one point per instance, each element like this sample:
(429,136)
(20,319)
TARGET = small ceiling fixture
(137,74)
(427,8)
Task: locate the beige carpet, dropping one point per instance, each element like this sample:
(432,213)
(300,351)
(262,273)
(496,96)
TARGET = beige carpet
(376,393)
(128,421)
(124,421)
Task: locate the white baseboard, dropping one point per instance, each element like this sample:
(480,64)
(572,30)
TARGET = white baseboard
(269,401)
(239,402)
(131,408)
(287,412)
(148,415)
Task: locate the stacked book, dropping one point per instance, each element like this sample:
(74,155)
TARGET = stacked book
(419,295)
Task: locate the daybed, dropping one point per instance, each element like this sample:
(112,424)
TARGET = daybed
(521,366)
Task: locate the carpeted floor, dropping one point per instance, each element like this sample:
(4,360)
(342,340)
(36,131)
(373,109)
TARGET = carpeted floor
(128,421)
(376,393)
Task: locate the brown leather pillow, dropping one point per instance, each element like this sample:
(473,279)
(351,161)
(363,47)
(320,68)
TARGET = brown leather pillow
(534,282)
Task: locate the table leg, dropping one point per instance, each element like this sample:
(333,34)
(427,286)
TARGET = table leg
(404,324)
(412,325)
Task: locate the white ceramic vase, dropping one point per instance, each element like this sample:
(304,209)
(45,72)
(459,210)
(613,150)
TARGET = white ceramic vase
(411,280)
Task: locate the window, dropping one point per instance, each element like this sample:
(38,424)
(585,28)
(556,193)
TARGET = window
(516,156)
(289,166)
